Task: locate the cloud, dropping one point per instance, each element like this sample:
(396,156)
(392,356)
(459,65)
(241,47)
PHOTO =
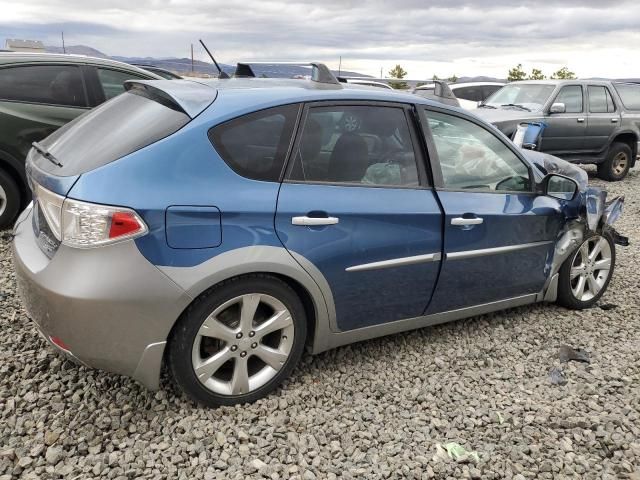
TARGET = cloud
(445,34)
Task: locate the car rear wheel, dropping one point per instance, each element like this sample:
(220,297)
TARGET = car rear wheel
(9,200)
(617,164)
(585,275)
(239,341)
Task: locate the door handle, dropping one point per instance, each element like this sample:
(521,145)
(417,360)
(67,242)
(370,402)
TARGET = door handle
(614,120)
(581,120)
(314,221)
(461,221)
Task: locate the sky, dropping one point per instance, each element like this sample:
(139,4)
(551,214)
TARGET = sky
(443,37)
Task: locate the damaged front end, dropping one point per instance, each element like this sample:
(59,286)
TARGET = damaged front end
(589,212)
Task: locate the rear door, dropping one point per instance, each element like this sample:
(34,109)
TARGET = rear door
(356,204)
(603,118)
(498,234)
(565,132)
(35,100)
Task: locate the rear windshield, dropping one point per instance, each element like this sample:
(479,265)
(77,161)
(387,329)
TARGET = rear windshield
(116,128)
(629,94)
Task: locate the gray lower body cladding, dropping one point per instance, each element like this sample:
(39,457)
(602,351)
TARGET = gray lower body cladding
(107,305)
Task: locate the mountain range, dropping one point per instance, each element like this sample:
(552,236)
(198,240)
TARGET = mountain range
(183,65)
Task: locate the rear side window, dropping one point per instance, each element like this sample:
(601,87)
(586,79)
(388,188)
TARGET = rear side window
(571,96)
(47,84)
(488,90)
(473,94)
(629,94)
(255,145)
(600,100)
(112,81)
(365,145)
(110,131)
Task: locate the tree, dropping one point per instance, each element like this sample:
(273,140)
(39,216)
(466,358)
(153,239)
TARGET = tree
(398,72)
(516,73)
(564,74)
(453,78)
(435,77)
(537,75)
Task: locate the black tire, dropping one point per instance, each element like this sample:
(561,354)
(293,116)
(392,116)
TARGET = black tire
(9,200)
(610,169)
(185,332)
(566,297)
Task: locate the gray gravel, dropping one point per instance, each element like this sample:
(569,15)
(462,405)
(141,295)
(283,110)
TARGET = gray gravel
(380,409)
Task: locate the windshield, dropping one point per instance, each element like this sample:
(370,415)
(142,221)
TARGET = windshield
(531,96)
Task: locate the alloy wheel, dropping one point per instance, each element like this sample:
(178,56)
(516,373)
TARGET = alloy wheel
(3,200)
(619,163)
(590,268)
(243,344)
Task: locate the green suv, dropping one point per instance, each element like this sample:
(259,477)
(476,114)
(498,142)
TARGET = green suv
(38,94)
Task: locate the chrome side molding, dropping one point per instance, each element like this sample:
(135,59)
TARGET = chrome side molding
(494,251)
(396,262)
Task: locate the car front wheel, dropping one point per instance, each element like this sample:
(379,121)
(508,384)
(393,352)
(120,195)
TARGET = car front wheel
(585,275)
(239,341)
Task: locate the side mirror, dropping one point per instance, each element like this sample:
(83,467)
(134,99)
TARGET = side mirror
(558,107)
(560,187)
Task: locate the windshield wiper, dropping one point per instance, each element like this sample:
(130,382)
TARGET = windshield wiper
(517,105)
(45,153)
(485,105)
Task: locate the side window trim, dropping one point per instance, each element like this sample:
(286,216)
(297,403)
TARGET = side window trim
(87,102)
(414,132)
(582,89)
(436,170)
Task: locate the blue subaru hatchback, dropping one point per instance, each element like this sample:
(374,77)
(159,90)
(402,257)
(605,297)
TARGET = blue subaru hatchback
(219,227)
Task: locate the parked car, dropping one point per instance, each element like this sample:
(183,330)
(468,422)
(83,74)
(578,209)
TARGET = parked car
(587,121)
(224,225)
(38,94)
(162,72)
(469,95)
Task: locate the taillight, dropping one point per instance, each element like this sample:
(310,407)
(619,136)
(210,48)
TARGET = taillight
(86,225)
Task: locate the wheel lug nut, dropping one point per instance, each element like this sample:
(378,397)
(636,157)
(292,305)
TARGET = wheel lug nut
(234,348)
(252,333)
(243,354)
(239,335)
(254,345)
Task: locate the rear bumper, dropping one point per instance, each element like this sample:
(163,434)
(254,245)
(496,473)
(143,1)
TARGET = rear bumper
(109,306)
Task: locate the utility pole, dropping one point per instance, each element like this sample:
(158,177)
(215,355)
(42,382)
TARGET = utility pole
(192,58)
(381,73)
(340,67)
(64,50)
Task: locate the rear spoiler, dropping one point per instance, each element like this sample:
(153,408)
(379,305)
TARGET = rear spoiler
(185,96)
(320,73)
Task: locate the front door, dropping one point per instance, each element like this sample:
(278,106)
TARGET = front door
(565,132)
(356,205)
(498,234)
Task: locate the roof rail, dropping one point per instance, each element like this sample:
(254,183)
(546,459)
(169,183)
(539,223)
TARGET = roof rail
(320,73)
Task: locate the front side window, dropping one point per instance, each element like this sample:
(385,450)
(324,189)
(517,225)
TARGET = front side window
(255,145)
(600,100)
(366,145)
(112,81)
(571,96)
(473,158)
(48,84)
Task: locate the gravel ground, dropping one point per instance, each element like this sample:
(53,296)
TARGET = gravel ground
(383,408)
